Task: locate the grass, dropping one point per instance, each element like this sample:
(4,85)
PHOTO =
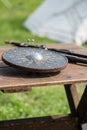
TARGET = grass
(11,21)
(40,101)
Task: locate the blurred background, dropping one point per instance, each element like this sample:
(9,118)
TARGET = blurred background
(12,16)
(39,101)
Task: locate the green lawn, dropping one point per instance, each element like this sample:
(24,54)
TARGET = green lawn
(11,21)
(40,101)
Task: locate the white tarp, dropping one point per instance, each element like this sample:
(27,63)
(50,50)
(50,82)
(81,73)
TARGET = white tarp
(61,20)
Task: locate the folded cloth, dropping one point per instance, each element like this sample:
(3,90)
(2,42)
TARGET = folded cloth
(58,20)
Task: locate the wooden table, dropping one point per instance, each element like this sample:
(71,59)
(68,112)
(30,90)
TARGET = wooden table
(12,80)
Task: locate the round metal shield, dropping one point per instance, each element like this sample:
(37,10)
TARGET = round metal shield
(35,59)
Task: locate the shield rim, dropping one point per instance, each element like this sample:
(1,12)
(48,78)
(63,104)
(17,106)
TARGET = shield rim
(35,69)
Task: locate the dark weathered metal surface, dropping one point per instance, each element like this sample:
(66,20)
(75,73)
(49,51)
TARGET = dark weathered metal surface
(35,59)
(72,56)
(67,122)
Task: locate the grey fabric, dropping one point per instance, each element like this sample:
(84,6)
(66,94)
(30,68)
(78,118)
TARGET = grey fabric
(58,20)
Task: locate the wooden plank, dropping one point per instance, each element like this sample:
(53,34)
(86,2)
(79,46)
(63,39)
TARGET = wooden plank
(82,107)
(67,122)
(16,89)
(10,77)
(72,97)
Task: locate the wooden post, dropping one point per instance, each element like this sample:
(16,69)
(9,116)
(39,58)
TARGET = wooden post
(72,97)
(82,107)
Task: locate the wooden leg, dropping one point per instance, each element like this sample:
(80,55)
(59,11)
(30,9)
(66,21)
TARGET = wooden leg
(73,101)
(72,97)
(82,107)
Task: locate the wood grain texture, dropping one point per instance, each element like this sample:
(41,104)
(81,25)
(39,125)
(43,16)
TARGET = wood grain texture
(14,78)
(72,97)
(67,122)
(82,107)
